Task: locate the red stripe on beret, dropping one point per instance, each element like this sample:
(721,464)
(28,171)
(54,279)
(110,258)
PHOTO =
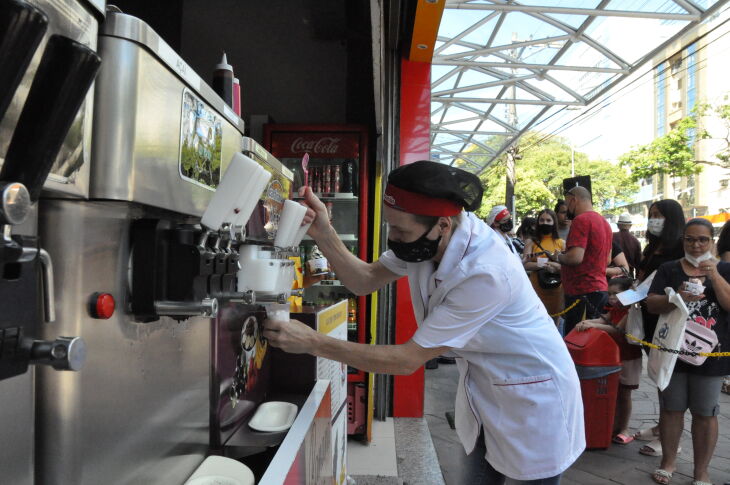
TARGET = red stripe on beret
(419,204)
(502,214)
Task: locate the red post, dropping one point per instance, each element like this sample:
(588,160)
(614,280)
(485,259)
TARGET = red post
(415,130)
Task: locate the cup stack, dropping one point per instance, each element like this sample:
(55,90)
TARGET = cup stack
(289,224)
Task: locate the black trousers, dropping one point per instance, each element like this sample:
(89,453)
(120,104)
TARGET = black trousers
(480,472)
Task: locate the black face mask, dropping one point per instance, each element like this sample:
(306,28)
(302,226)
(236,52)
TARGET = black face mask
(545,229)
(419,250)
(506,226)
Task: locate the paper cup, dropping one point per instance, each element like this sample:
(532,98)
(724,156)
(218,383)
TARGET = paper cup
(541,262)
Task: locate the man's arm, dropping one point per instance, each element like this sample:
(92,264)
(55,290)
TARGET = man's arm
(358,276)
(295,337)
(572,257)
(621,266)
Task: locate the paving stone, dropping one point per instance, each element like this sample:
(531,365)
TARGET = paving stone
(619,464)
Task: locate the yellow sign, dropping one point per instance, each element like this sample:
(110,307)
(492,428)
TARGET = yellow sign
(332,317)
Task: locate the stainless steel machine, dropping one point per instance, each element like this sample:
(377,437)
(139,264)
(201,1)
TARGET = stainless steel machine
(134,275)
(160,286)
(48,59)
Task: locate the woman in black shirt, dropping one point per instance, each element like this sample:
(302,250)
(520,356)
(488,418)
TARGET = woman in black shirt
(664,236)
(694,387)
(664,233)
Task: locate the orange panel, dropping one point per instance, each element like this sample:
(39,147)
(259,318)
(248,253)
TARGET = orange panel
(425,29)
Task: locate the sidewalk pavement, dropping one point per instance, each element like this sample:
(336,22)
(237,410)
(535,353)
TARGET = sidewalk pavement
(620,464)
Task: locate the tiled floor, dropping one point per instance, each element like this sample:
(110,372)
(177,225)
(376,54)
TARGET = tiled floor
(376,458)
(401,453)
(616,465)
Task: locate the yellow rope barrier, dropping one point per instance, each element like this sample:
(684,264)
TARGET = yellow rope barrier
(573,305)
(655,346)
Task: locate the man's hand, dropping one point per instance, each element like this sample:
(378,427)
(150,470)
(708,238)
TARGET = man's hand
(316,214)
(291,336)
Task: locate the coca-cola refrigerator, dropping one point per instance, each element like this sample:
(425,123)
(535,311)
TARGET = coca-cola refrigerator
(338,174)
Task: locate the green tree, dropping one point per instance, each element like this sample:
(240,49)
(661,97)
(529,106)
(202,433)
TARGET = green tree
(674,153)
(541,167)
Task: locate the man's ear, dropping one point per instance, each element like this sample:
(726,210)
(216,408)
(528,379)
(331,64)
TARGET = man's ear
(444,223)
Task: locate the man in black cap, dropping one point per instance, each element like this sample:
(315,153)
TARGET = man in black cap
(518,403)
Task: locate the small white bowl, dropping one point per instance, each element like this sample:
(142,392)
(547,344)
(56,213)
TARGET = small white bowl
(274,416)
(219,470)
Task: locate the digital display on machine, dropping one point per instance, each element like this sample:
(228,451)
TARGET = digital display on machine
(201,135)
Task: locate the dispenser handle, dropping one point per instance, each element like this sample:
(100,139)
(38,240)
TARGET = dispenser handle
(62,80)
(49,295)
(64,353)
(23,27)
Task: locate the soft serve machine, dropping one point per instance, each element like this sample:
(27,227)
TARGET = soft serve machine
(164,232)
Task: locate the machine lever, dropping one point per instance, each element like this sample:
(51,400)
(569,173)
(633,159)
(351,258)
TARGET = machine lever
(208,307)
(49,296)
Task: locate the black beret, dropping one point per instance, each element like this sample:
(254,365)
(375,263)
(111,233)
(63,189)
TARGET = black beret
(440,181)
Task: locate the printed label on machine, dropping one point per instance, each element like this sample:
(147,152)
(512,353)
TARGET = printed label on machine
(201,136)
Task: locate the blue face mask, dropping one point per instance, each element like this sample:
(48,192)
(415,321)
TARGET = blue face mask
(421,249)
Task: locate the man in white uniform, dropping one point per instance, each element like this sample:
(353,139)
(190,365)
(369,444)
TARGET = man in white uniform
(518,387)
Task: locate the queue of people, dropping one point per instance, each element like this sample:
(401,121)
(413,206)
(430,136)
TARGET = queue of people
(595,265)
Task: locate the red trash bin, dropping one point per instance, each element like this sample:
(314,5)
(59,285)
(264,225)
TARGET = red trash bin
(598,362)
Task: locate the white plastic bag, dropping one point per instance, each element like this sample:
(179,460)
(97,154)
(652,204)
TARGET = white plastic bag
(635,324)
(668,334)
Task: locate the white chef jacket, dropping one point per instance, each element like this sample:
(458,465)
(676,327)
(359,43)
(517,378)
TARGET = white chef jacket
(517,381)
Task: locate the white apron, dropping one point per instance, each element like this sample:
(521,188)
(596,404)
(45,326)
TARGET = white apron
(516,378)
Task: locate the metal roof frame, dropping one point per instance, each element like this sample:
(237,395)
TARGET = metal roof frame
(461,107)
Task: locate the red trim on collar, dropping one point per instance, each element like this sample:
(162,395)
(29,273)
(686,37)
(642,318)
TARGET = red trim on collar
(419,204)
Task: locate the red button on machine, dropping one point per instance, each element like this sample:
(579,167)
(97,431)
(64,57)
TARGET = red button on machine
(102,305)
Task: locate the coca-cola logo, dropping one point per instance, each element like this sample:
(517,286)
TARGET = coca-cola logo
(326,144)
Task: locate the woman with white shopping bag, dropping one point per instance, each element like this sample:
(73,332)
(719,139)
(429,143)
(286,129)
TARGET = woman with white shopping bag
(703,284)
(664,236)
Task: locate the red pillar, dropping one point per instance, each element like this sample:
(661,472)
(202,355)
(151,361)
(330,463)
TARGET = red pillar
(415,128)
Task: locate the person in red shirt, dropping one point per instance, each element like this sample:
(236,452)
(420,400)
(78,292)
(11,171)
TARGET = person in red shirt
(584,262)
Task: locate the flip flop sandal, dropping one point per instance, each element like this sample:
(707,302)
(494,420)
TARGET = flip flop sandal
(646,434)
(654,448)
(622,439)
(661,476)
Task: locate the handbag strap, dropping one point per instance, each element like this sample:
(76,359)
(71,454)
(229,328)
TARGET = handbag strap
(540,246)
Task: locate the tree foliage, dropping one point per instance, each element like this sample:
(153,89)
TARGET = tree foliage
(540,169)
(674,153)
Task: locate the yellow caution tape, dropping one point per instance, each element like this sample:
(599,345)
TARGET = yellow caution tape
(674,351)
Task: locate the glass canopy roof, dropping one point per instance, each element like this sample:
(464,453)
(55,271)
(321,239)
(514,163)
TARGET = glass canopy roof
(500,66)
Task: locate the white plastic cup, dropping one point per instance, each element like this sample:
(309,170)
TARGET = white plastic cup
(291,218)
(278,312)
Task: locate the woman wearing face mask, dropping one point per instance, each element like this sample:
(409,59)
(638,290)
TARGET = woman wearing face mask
(664,235)
(500,219)
(518,406)
(703,283)
(535,259)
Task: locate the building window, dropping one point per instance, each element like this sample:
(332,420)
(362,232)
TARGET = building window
(661,92)
(691,77)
